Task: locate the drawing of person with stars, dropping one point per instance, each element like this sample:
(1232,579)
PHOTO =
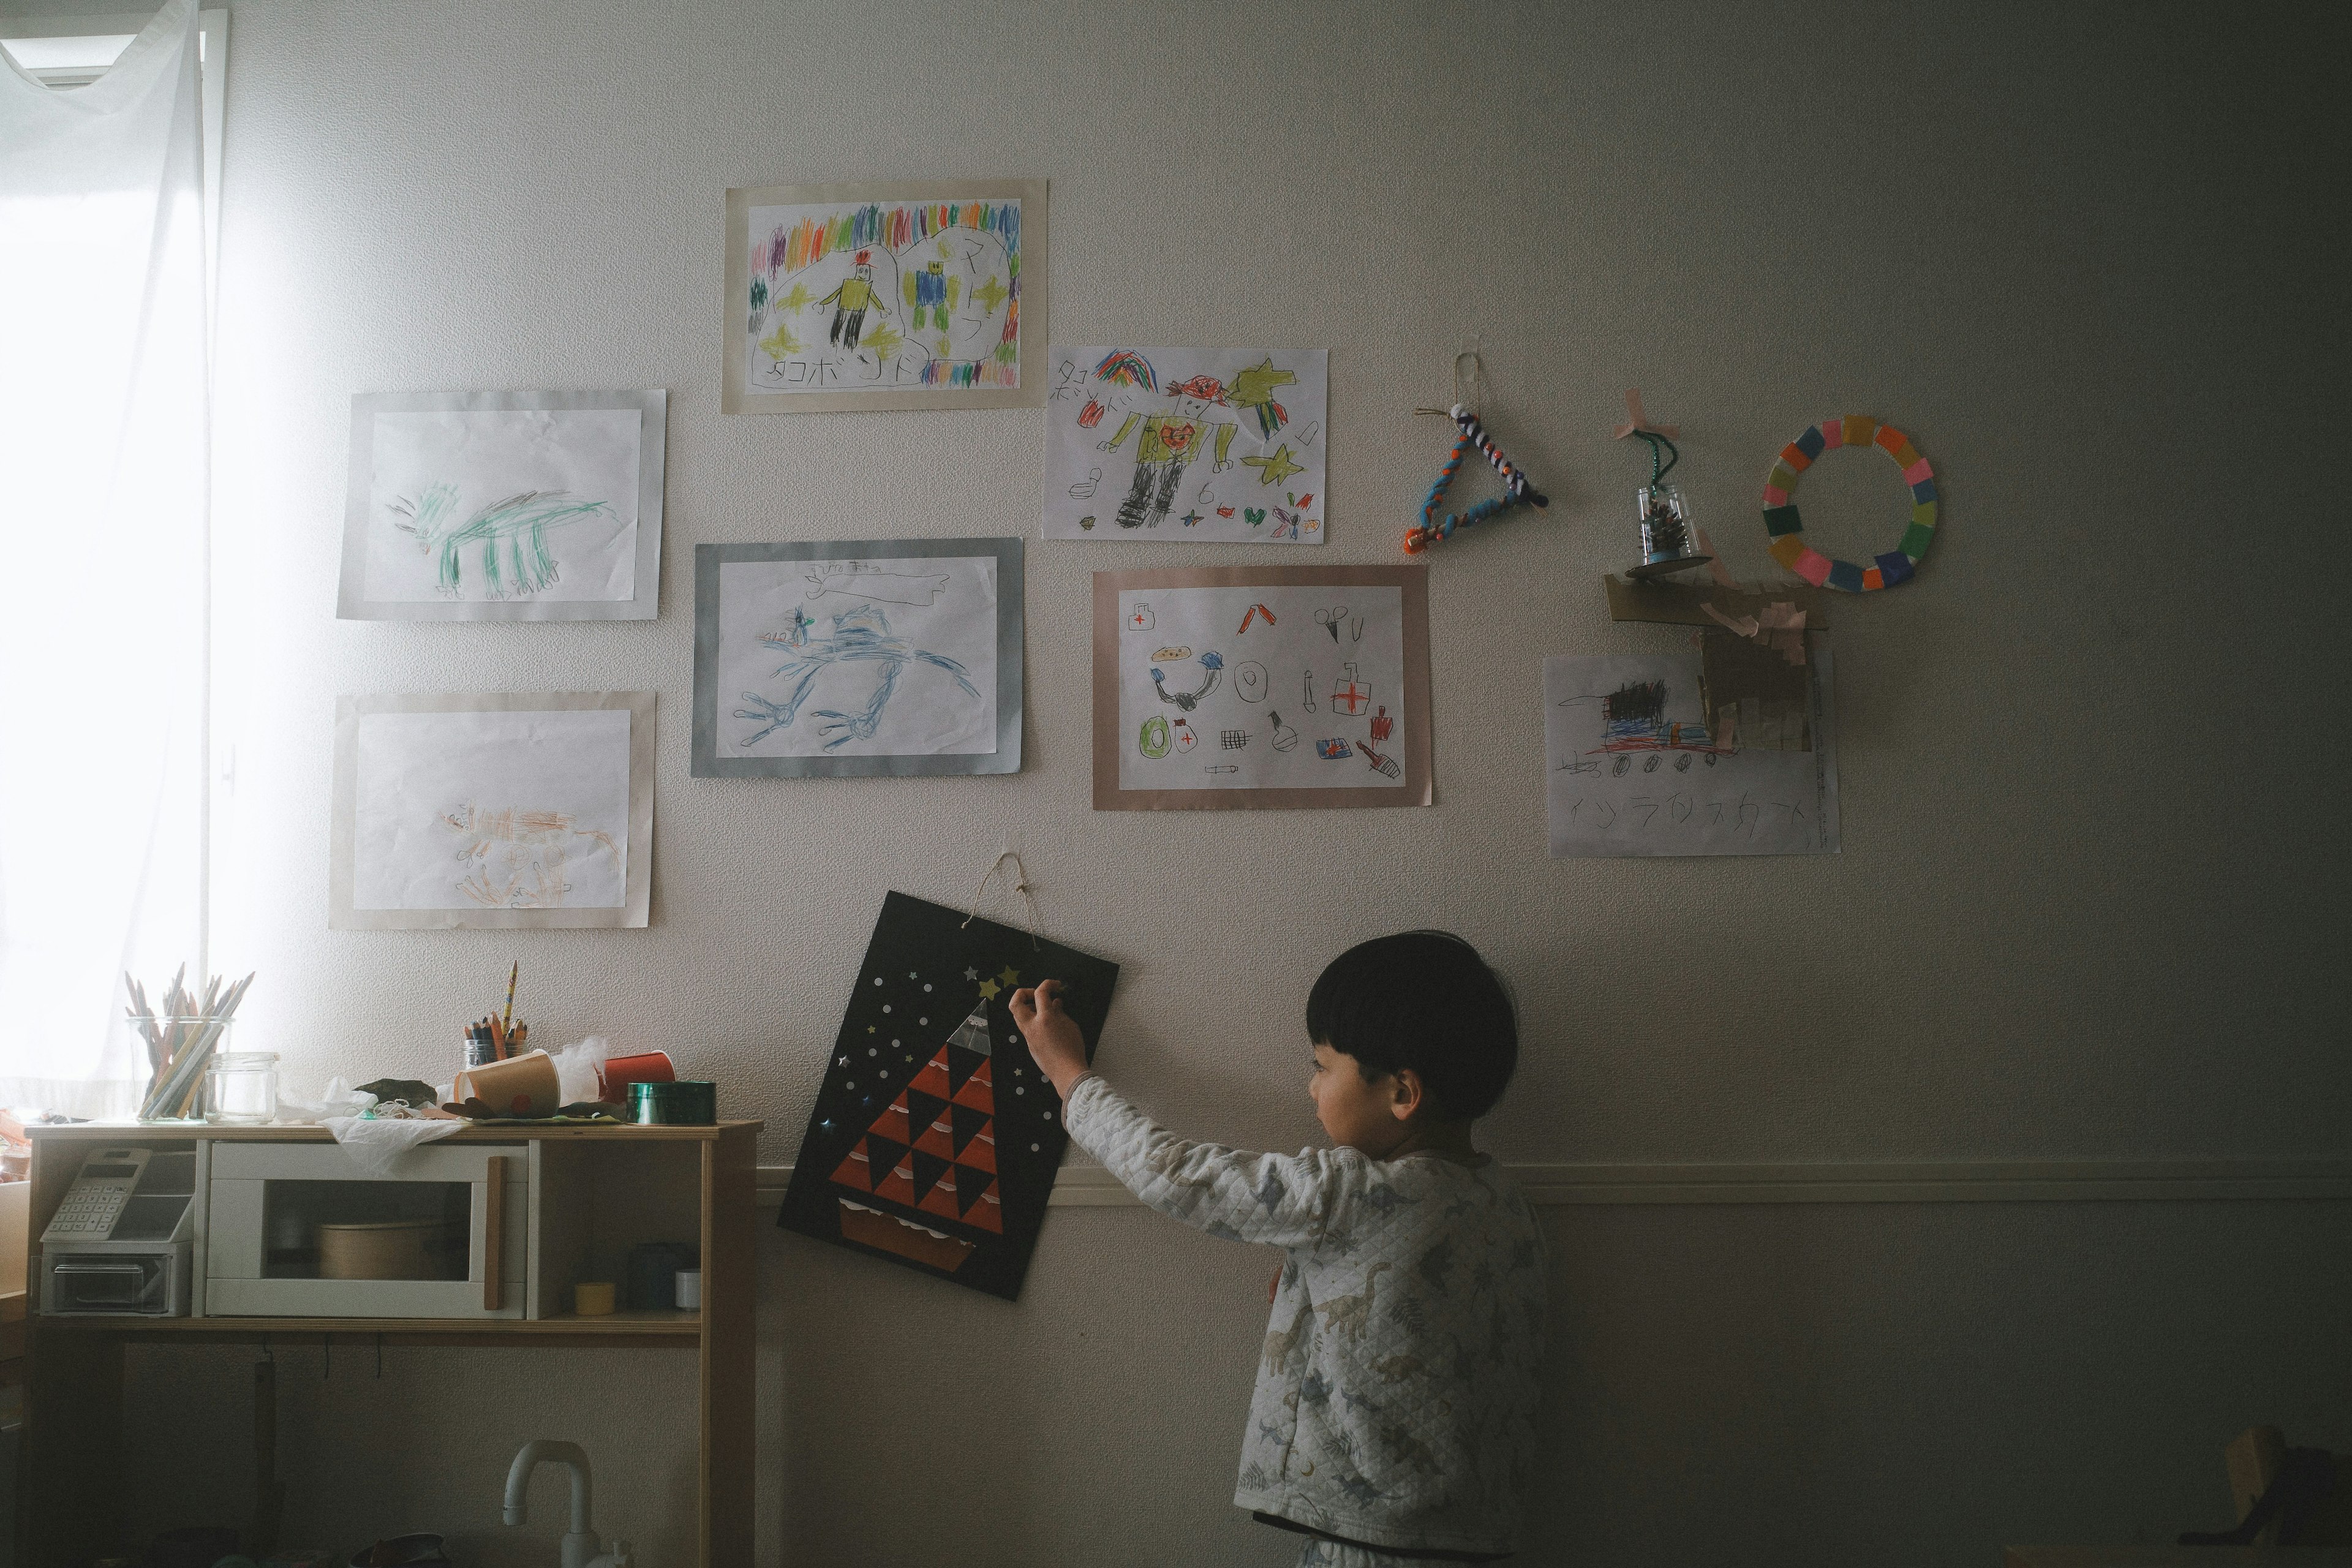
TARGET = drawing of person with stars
(1167,444)
(930,290)
(856,296)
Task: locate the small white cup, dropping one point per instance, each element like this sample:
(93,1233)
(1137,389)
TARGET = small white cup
(689,1290)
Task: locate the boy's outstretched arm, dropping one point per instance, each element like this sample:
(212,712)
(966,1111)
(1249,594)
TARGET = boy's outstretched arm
(1280,1200)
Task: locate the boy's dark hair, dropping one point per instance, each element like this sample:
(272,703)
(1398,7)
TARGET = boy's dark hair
(1423,1000)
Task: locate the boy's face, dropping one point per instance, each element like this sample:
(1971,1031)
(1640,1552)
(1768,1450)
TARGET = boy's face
(1358,1115)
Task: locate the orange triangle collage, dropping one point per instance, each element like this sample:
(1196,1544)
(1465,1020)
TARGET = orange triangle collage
(955,1177)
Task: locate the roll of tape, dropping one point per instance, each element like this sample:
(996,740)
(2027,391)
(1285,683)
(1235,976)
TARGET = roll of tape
(684,1104)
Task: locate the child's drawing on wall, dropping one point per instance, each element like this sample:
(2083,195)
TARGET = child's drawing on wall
(508,506)
(493,809)
(515,859)
(505,542)
(1199,443)
(861,649)
(849,296)
(1165,446)
(825,652)
(1634,767)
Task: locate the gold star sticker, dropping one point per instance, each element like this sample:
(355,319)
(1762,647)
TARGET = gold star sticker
(1274,470)
(987,990)
(1010,975)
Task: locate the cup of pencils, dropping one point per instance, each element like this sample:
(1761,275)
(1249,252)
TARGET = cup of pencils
(182,1033)
(489,1040)
(496,1037)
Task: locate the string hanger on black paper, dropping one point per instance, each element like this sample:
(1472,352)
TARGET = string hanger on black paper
(1020,886)
(1469,380)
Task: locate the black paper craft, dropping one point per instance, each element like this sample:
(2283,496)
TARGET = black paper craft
(935,1139)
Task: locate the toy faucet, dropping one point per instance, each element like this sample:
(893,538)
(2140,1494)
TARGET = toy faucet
(581,1547)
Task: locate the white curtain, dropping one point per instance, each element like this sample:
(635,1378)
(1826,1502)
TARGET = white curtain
(104,433)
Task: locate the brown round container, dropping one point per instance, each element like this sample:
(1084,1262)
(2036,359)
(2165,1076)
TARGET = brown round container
(390,1249)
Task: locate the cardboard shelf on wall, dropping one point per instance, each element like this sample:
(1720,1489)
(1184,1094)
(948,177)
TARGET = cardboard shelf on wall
(1681,604)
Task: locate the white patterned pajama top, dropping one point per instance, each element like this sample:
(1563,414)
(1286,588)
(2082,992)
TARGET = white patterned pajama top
(1395,1397)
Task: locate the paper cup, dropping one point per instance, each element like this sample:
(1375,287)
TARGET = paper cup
(519,1085)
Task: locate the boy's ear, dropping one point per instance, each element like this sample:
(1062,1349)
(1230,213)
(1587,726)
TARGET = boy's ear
(1407,1094)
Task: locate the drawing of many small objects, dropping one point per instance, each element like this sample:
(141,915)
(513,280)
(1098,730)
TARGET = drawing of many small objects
(1347,696)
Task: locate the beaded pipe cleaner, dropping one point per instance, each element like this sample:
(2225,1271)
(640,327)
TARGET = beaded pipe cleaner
(1516,490)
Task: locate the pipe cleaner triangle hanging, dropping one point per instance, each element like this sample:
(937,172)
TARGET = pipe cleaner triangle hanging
(1517,490)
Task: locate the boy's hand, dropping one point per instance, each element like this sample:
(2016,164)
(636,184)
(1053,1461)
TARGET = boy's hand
(1052,1035)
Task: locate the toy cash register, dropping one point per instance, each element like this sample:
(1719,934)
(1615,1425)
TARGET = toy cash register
(119,1243)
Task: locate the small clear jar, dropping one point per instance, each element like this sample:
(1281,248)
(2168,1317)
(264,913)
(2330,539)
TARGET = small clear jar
(1666,525)
(241,1089)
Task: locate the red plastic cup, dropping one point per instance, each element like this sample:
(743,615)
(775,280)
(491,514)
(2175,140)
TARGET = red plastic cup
(619,1072)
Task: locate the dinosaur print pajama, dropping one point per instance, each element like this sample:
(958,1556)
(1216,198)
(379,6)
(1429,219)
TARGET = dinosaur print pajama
(1393,1415)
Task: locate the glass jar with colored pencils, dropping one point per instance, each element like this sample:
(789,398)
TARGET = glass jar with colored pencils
(181,1037)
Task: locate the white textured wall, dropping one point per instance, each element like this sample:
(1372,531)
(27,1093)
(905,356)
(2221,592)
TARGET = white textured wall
(2092,758)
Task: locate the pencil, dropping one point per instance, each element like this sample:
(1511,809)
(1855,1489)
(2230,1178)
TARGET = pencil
(512,974)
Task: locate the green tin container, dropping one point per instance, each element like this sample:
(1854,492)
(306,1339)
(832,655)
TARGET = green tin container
(673,1104)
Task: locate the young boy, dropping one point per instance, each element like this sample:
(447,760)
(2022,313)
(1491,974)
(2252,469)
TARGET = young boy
(1393,1415)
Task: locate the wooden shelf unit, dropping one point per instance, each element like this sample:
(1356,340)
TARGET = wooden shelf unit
(71,1471)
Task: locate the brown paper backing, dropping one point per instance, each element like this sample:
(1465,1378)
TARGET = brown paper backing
(1417,788)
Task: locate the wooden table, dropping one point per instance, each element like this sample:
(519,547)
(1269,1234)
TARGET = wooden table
(70,1497)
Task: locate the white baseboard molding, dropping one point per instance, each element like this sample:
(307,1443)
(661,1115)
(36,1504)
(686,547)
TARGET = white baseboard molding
(1908,1182)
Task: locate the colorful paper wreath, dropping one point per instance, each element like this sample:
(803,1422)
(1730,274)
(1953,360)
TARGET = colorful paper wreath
(1787,529)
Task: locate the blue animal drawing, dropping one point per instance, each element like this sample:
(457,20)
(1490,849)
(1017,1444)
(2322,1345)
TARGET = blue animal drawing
(861,636)
(511,534)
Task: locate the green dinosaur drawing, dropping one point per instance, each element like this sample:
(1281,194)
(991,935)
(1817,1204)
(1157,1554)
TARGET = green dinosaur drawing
(512,534)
